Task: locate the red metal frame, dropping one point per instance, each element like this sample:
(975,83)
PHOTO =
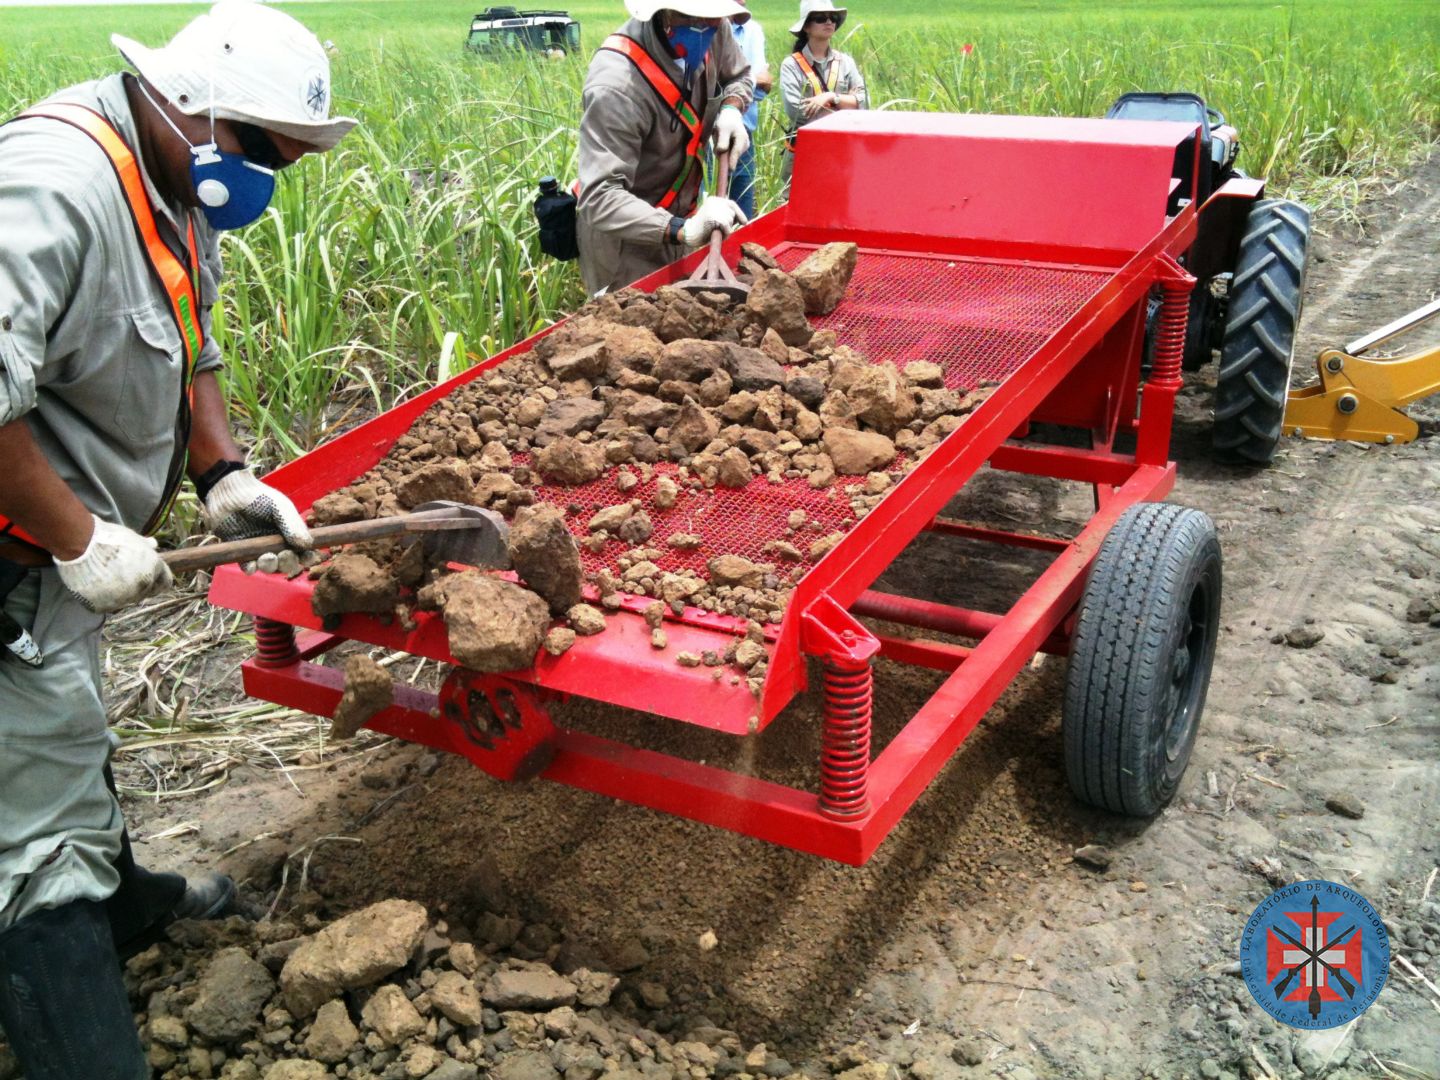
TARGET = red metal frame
(1055,305)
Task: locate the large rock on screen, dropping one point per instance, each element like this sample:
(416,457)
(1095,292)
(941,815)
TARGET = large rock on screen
(825,275)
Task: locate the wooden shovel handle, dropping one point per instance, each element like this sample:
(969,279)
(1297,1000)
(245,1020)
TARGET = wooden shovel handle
(722,191)
(212,555)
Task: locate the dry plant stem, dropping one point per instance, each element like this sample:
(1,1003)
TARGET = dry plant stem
(309,850)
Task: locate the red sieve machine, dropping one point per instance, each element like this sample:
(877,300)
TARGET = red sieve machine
(1015,249)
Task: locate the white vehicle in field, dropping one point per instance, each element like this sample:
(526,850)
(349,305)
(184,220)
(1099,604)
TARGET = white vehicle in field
(502,30)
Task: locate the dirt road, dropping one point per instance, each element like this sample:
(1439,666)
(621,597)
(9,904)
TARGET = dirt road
(973,945)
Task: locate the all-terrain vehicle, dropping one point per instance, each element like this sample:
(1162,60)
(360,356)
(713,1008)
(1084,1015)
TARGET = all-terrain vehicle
(1249,262)
(501,31)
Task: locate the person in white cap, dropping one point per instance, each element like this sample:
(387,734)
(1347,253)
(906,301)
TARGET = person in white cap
(816,79)
(112,194)
(671,79)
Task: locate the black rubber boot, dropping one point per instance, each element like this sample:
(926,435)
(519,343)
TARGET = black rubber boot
(146,902)
(142,905)
(63,1006)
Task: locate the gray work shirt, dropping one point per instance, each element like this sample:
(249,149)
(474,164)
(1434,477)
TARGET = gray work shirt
(795,87)
(632,147)
(90,355)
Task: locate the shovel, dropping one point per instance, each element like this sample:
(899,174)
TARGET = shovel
(714,275)
(450,532)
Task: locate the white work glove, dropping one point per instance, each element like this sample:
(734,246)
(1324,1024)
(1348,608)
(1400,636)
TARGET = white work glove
(730,135)
(119,567)
(240,507)
(714,213)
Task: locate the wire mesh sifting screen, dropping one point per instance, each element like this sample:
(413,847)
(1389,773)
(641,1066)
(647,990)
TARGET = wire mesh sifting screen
(978,320)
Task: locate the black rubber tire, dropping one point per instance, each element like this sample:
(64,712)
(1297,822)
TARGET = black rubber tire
(1141,658)
(1266,297)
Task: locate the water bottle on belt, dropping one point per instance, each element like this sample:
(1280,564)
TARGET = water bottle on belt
(13,636)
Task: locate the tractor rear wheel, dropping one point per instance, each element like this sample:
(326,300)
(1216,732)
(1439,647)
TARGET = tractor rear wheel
(1265,299)
(1140,660)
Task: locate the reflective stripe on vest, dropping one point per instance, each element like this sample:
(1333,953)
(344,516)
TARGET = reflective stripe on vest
(178,281)
(673,97)
(832,80)
(832,77)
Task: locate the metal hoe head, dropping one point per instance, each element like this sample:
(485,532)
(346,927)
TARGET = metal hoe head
(482,541)
(714,275)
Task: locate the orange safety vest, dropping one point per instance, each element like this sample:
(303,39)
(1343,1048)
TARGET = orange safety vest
(179,281)
(673,97)
(832,80)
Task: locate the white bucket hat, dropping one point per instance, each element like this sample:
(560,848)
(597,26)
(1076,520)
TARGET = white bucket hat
(251,62)
(645,10)
(811,7)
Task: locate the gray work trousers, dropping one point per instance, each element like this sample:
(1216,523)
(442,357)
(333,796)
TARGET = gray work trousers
(60,826)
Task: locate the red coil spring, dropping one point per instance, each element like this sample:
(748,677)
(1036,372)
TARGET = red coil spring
(1170,337)
(274,643)
(845,743)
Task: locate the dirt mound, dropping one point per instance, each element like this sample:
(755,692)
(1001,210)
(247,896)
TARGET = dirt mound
(388,993)
(665,403)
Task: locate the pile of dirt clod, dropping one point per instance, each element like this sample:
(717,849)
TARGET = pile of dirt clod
(387,993)
(623,430)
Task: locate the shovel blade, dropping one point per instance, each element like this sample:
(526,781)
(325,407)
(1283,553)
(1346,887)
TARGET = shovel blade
(483,541)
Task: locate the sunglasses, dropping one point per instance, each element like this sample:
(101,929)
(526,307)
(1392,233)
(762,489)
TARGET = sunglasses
(258,146)
(826,17)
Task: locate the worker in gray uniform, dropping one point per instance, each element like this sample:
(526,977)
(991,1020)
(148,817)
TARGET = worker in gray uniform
(112,195)
(670,80)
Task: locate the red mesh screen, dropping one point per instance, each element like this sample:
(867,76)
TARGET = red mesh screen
(978,320)
(732,521)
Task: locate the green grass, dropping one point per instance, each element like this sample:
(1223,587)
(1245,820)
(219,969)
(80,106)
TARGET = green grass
(418,230)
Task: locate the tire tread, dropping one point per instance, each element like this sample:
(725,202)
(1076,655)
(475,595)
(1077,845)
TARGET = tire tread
(1121,632)
(1266,299)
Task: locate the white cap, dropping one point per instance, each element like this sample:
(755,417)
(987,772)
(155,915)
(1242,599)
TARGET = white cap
(810,7)
(253,63)
(645,10)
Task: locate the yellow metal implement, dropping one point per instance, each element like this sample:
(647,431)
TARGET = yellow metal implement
(1361,399)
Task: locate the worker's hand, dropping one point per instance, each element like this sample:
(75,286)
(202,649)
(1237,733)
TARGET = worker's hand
(118,568)
(730,136)
(814,106)
(240,507)
(714,213)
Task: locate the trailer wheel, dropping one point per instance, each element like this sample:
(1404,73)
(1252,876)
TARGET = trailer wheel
(1259,344)
(1141,657)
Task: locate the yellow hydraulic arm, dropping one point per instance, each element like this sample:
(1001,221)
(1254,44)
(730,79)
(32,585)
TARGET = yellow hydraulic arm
(1361,399)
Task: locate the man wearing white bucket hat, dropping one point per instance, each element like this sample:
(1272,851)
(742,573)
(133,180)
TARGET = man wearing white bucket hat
(816,79)
(669,80)
(111,197)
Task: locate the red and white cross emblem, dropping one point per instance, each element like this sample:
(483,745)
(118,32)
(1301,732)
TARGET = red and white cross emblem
(1282,956)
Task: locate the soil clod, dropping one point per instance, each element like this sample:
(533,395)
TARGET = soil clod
(369,688)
